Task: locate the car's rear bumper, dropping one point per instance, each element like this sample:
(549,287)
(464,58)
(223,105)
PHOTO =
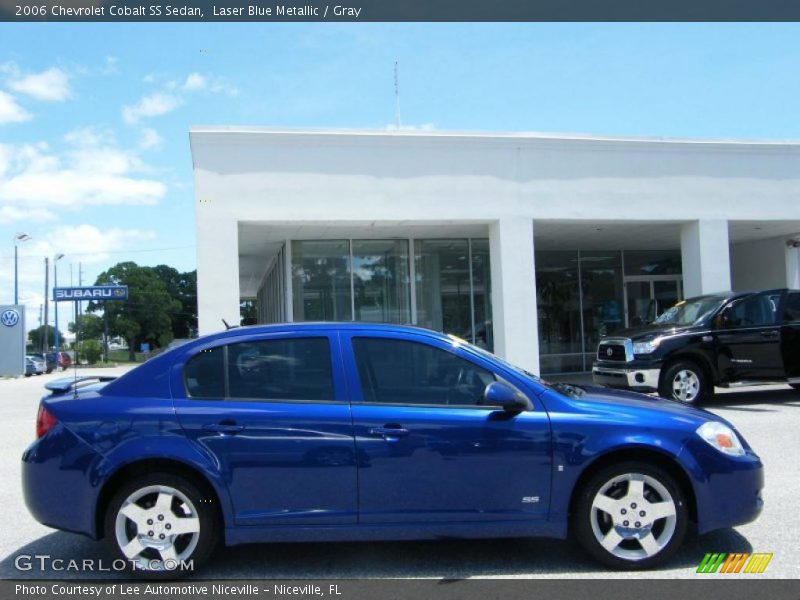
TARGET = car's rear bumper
(56,482)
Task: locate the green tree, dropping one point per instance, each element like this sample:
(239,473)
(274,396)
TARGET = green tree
(91,350)
(146,316)
(87,327)
(183,288)
(35,336)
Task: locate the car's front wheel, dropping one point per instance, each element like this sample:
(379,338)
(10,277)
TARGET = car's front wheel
(162,525)
(630,516)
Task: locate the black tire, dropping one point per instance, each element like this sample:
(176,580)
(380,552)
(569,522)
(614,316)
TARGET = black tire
(692,372)
(204,505)
(587,519)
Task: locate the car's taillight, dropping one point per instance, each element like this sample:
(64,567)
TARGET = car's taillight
(45,421)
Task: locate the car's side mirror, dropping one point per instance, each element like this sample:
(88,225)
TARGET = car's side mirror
(499,393)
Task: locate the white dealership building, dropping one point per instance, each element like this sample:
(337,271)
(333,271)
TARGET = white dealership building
(534,245)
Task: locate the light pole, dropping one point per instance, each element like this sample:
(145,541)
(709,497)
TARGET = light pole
(56,258)
(19,237)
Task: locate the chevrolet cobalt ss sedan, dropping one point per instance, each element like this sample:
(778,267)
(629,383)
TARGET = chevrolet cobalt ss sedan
(348,431)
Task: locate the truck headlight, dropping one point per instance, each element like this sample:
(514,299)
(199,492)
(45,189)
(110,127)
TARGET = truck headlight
(722,437)
(646,347)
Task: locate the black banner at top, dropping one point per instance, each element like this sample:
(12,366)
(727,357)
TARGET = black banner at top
(399,10)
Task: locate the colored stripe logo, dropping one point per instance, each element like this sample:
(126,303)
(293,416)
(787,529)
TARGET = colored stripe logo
(735,562)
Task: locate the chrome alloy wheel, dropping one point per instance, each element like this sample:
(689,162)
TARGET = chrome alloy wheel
(157,527)
(633,516)
(685,386)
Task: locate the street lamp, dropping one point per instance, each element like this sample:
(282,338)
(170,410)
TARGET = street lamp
(56,258)
(19,237)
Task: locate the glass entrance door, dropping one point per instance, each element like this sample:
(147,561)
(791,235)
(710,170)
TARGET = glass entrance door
(646,298)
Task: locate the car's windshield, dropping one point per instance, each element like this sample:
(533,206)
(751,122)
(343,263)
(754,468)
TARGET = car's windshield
(569,390)
(691,312)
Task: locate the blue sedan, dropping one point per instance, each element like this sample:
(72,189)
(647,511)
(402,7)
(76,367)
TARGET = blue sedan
(353,431)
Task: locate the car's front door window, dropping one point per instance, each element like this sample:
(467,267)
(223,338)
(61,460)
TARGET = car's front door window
(393,371)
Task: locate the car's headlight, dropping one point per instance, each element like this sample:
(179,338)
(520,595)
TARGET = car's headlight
(646,347)
(721,437)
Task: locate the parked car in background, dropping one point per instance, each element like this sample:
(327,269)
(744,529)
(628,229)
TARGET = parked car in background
(358,431)
(34,365)
(50,360)
(64,360)
(718,339)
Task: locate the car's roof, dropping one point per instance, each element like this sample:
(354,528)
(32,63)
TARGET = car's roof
(311,326)
(731,295)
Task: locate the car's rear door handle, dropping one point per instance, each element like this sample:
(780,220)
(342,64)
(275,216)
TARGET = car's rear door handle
(229,428)
(770,334)
(389,433)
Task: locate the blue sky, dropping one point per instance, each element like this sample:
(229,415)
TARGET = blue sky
(94,118)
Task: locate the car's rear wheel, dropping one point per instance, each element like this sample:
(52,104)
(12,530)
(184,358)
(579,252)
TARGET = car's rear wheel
(160,523)
(631,516)
(685,382)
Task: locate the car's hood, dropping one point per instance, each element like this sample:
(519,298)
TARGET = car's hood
(622,399)
(654,330)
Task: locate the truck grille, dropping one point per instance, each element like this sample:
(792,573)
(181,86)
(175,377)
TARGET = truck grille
(611,351)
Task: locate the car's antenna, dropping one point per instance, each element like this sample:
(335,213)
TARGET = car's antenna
(228,327)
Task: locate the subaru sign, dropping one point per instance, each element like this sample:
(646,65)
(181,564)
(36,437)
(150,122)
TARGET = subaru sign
(12,340)
(96,292)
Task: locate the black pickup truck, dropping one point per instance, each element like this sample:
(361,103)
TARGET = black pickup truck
(715,340)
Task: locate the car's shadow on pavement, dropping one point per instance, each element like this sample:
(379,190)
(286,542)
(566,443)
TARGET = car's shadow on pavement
(440,559)
(754,400)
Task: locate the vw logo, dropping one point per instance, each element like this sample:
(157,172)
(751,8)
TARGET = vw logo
(610,352)
(10,317)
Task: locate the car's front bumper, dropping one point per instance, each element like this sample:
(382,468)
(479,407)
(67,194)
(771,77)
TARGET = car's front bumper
(640,378)
(727,489)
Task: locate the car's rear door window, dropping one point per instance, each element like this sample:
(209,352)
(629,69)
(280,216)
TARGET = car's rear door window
(281,369)
(291,369)
(393,371)
(204,374)
(791,311)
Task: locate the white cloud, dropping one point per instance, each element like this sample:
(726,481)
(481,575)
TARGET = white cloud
(51,85)
(195,82)
(150,139)
(152,105)
(91,170)
(10,111)
(9,214)
(88,244)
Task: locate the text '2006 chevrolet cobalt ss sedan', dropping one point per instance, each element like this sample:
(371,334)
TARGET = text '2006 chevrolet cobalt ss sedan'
(326,432)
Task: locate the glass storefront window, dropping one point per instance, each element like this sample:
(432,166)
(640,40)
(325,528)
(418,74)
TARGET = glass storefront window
(321,280)
(442,282)
(381,281)
(557,299)
(653,262)
(601,285)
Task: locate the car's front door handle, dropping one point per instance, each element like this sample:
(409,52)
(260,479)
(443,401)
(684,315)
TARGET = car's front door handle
(770,334)
(390,434)
(229,428)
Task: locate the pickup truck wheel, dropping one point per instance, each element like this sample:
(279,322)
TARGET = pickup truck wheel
(631,515)
(159,522)
(685,382)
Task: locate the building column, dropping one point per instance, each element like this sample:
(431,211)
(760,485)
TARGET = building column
(217,274)
(793,265)
(514,318)
(705,256)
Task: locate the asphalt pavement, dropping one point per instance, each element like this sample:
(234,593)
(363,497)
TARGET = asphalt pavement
(768,416)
